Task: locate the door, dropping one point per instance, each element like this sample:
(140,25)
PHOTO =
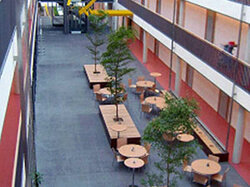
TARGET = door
(223,104)
(190,75)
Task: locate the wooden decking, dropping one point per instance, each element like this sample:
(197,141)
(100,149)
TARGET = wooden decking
(96,78)
(131,133)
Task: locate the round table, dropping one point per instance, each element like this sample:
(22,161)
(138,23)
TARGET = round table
(185,137)
(145,84)
(205,167)
(158,101)
(132,150)
(133,163)
(118,129)
(155,74)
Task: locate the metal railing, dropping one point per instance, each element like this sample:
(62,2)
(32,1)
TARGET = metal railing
(218,59)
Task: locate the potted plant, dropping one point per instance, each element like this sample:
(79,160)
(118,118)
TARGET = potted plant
(161,132)
(97,26)
(115,60)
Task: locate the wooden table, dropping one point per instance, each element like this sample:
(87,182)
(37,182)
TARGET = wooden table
(145,84)
(132,150)
(205,167)
(185,137)
(133,163)
(118,128)
(155,74)
(105,91)
(158,101)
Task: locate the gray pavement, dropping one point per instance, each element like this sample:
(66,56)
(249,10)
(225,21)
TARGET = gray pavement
(71,146)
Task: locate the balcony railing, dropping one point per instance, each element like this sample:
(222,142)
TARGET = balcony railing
(216,58)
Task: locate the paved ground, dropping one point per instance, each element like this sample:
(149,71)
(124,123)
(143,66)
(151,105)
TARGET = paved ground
(71,146)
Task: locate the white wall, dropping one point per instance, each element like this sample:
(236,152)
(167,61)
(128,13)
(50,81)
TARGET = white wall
(195,19)
(7,78)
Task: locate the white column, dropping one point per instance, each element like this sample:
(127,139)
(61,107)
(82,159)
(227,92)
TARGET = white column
(115,23)
(177,76)
(239,136)
(247,53)
(181,12)
(145,49)
(146,3)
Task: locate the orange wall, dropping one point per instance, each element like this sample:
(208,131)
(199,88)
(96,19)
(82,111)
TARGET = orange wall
(227,29)
(167,8)
(195,19)
(206,90)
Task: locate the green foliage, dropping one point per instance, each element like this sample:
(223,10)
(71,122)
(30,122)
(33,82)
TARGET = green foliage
(115,60)
(177,116)
(97,26)
(37,178)
(56,12)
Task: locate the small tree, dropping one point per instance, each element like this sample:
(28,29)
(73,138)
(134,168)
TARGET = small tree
(115,60)
(97,26)
(160,132)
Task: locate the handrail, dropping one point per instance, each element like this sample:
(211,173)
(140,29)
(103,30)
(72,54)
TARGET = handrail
(206,51)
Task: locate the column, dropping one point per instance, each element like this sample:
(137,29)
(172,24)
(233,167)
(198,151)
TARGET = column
(247,54)
(145,49)
(178,60)
(178,76)
(239,136)
(181,13)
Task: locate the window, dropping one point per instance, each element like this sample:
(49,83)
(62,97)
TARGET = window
(158,6)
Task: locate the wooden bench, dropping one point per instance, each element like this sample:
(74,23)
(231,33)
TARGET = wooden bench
(96,78)
(107,113)
(209,144)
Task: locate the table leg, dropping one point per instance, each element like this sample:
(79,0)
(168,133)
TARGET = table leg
(155,80)
(133,179)
(118,134)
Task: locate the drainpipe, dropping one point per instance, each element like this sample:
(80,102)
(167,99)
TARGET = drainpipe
(172,46)
(234,76)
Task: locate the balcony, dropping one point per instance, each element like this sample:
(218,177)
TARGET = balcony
(227,65)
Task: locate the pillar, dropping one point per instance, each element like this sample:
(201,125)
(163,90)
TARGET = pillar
(178,60)
(145,48)
(181,13)
(178,76)
(247,54)
(239,136)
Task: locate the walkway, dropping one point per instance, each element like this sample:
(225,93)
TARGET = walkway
(71,147)
(207,114)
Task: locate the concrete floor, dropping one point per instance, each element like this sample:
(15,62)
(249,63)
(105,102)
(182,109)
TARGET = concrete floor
(71,146)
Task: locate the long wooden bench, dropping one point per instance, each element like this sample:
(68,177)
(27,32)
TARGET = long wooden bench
(107,113)
(96,78)
(209,144)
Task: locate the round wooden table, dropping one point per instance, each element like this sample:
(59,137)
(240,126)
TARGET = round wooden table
(118,129)
(155,74)
(205,167)
(185,137)
(158,101)
(145,84)
(132,150)
(133,163)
